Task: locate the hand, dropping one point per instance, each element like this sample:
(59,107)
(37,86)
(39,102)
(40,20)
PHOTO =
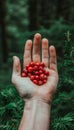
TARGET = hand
(26,88)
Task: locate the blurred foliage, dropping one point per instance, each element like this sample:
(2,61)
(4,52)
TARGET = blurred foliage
(59,33)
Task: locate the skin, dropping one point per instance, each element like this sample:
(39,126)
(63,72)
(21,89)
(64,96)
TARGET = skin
(37,98)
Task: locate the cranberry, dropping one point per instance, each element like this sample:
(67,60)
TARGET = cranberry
(47,73)
(40,82)
(24,71)
(24,75)
(40,68)
(35,81)
(37,64)
(30,69)
(40,71)
(42,64)
(36,73)
(32,64)
(29,74)
(35,67)
(45,77)
(27,67)
(41,76)
(37,77)
(32,77)
(44,81)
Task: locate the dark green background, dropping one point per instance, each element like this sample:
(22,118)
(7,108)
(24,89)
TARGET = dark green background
(19,21)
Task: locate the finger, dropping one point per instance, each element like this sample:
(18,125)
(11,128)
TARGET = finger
(53,61)
(45,51)
(27,53)
(36,48)
(16,66)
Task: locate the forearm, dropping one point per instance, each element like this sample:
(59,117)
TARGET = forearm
(36,116)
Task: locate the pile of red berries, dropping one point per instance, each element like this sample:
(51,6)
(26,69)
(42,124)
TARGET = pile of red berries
(36,73)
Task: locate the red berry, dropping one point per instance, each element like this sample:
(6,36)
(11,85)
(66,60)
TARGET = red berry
(29,74)
(35,81)
(36,72)
(32,64)
(27,67)
(44,81)
(42,64)
(30,69)
(40,68)
(32,77)
(46,73)
(37,77)
(37,64)
(40,71)
(24,75)
(41,76)
(40,82)
(43,71)
(24,71)
(45,77)
(35,67)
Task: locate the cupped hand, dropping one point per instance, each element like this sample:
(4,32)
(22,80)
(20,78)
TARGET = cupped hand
(36,51)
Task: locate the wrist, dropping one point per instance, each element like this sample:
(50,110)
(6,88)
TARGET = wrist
(39,112)
(38,99)
(36,115)
(36,102)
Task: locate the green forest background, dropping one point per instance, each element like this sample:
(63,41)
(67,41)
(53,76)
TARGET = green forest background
(19,21)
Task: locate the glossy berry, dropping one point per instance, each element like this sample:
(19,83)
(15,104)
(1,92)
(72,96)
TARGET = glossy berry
(32,64)
(40,82)
(32,77)
(44,81)
(27,67)
(37,64)
(24,71)
(30,69)
(47,73)
(42,64)
(35,67)
(37,77)
(45,77)
(29,74)
(24,75)
(36,72)
(40,71)
(41,76)
(40,68)
(35,81)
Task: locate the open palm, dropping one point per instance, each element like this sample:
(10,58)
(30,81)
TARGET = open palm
(26,88)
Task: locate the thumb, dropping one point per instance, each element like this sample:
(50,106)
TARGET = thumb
(16,66)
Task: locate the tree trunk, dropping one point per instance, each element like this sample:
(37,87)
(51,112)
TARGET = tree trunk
(33,15)
(63,9)
(3,30)
(45,13)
